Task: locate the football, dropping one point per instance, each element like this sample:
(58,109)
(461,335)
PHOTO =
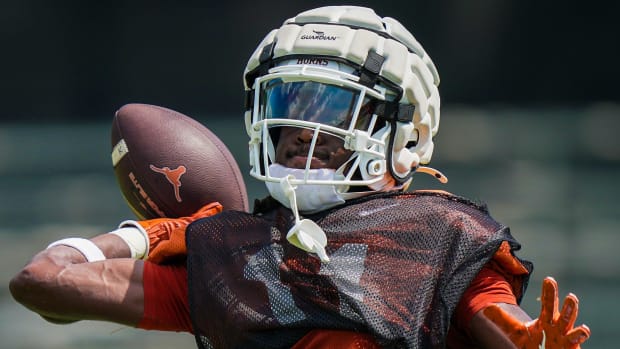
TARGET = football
(169,165)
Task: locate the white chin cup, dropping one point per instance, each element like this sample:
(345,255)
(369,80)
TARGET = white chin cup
(310,198)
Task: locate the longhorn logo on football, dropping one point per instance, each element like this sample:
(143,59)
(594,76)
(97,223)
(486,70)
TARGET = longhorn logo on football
(173,176)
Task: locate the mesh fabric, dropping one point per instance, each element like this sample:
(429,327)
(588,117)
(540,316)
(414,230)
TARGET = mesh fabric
(399,265)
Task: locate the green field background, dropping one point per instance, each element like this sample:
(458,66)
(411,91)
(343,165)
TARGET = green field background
(550,174)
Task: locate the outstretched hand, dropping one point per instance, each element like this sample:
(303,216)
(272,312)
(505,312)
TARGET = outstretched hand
(552,330)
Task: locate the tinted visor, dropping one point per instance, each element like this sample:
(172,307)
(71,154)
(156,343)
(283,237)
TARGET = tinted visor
(315,102)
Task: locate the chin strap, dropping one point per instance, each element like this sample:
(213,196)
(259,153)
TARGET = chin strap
(433,172)
(305,234)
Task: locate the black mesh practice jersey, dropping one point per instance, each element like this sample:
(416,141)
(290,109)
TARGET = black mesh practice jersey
(399,264)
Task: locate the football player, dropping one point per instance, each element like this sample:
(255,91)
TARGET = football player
(341,112)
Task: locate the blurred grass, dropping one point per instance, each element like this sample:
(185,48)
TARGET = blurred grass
(549,174)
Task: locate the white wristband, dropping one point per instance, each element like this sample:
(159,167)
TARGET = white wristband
(135,237)
(86,247)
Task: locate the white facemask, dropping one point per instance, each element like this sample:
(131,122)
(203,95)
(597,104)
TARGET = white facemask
(310,198)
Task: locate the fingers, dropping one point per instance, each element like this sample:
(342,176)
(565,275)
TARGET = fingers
(568,315)
(549,300)
(207,210)
(578,335)
(561,323)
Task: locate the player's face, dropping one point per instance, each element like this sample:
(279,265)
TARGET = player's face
(294,144)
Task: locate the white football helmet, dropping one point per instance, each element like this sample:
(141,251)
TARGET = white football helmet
(372,83)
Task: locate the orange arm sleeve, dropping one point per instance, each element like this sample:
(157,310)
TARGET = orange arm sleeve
(166,306)
(490,286)
(497,282)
